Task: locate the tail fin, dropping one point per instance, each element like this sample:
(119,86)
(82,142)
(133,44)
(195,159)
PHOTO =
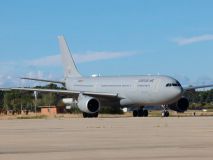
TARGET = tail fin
(70,68)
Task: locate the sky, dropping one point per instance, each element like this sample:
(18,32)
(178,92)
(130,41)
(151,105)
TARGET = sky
(111,37)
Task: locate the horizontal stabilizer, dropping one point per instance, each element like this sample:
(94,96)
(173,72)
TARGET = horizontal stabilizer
(43,80)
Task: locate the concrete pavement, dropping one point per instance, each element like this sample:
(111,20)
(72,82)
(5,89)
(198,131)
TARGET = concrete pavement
(188,138)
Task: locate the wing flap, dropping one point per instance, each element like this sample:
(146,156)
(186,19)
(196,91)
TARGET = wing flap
(102,95)
(95,94)
(46,90)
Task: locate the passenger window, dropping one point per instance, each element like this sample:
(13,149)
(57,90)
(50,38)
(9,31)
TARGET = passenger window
(168,85)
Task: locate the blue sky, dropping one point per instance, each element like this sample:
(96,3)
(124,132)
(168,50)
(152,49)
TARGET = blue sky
(112,37)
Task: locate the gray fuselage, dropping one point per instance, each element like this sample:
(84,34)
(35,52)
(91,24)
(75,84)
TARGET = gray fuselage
(134,90)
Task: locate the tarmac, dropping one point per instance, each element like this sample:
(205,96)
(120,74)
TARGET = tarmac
(171,138)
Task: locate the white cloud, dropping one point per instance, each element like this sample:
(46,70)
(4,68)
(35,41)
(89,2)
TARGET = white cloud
(184,80)
(11,71)
(194,39)
(95,56)
(12,80)
(201,80)
(79,58)
(45,61)
(204,80)
(7,80)
(37,74)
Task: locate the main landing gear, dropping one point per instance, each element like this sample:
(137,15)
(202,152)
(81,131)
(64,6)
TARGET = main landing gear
(140,113)
(89,115)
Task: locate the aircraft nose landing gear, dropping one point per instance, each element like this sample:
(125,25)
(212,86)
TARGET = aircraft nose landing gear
(165,112)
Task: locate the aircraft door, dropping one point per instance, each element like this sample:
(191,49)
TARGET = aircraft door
(156,85)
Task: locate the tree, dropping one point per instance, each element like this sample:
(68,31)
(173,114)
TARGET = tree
(1,100)
(49,99)
(7,99)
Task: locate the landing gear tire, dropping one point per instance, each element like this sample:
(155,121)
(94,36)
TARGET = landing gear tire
(84,115)
(145,113)
(165,114)
(135,113)
(88,115)
(140,113)
(95,115)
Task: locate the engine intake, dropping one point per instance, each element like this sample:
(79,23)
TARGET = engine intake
(93,105)
(88,104)
(181,106)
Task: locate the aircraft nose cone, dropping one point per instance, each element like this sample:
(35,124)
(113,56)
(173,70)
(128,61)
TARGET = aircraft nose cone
(178,92)
(175,94)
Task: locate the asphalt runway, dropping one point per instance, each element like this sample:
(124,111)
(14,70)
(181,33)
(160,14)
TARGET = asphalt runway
(107,138)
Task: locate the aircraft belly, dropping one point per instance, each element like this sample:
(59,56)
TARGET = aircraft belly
(146,98)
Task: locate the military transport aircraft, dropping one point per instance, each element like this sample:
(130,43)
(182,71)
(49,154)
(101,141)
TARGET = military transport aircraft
(135,92)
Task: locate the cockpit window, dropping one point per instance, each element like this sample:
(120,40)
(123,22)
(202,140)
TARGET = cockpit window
(168,84)
(173,84)
(178,83)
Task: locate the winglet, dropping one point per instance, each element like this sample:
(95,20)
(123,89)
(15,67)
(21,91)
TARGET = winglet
(70,68)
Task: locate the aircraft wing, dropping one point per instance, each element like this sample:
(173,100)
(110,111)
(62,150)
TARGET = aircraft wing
(73,92)
(196,87)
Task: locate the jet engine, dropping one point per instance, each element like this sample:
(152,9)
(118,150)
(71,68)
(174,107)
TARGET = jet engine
(181,106)
(88,104)
(70,103)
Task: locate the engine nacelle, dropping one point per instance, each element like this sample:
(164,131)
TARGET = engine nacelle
(70,102)
(88,104)
(181,106)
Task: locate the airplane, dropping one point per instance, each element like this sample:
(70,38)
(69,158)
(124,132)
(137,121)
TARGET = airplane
(134,92)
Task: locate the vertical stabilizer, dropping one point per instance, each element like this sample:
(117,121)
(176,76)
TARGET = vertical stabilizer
(70,69)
